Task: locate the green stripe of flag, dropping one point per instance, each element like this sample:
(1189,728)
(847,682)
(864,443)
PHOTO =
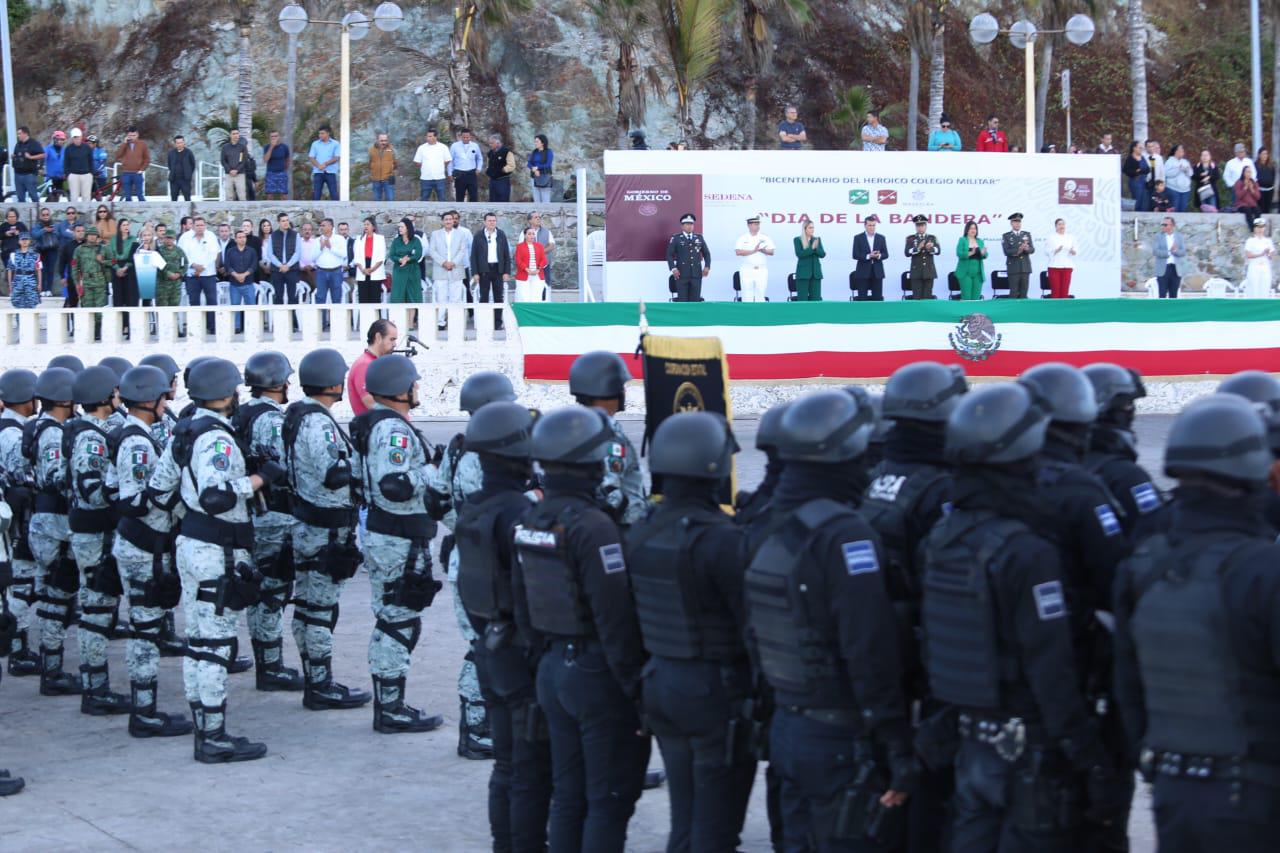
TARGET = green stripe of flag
(933,311)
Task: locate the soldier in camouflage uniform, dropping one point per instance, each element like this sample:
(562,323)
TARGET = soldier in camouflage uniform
(600,379)
(169,279)
(214,544)
(458,478)
(259,424)
(9,784)
(141,549)
(318,457)
(393,466)
(57,578)
(17,392)
(92,521)
(90,272)
(119,366)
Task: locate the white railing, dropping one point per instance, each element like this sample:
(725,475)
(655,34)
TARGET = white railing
(206,172)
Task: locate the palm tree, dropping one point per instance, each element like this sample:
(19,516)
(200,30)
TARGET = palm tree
(627,23)
(217,130)
(757,47)
(1138,67)
(468,44)
(924,22)
(692,31)
(852,106)
(244,81)
(938,67)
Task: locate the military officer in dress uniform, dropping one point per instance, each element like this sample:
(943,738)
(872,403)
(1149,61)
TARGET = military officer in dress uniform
(689,260)
(921,247)
(753,250)
(1018,249)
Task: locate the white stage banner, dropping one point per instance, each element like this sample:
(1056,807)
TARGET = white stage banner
(648,191)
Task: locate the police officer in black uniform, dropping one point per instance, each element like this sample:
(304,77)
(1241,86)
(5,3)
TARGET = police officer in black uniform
(1262,389)
(500,433)
(910,490)
(573,576)
(1197,657)
(751,506)
(686,562)
(689,260)
(1113,447)
(997,643)
(825,638)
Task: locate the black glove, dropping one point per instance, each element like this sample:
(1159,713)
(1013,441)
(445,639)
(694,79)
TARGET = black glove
(272,472)
(438,455)
(1110,795)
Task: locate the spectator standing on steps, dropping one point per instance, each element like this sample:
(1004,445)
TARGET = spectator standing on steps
(54,168)
(501,163)
(77,159)
(382,169)
(1204,180)
(945,138)
(134,157)
(992,138)
(540,161)
(26,158)
(1234,169)
(182,169)
(791,133)
(324,157)
(468,160)
(276,158)
(433,162)
(234,157)
(874,134)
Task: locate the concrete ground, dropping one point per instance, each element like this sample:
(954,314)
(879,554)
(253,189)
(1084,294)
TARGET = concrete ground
(329,783)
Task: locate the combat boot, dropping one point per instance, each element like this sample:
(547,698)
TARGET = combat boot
(322,693)
(96,698)
(170,644)
(237,664)
(215,746)
(22,660)
(392,715)
(53,681)
(473,741)
(274,676)
(10,785)
(146,721)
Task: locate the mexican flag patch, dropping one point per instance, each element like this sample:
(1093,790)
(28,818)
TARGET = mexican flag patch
(138,457)
(53,454)
(97,448)
(330,437)
(400,441)
(222,447)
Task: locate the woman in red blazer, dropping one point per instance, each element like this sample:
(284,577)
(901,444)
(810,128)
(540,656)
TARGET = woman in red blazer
(531,265)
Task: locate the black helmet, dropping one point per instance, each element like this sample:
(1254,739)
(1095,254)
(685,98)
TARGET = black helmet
(212,378)
(1223,435)
(924,391)
(1069,395)
(487,386)
(54,384)
(997,424)
(693,444)
(186,373)
(501,428)
(143,383)
(883,424)
(1262,389)
(322,368)
(94,385)
(1113,383)
(119,366)
(390,376)
(164,362)
(17,386)
(600,375)
(573,435)
(769,430)
(830,426)
(70,362)
(267,369)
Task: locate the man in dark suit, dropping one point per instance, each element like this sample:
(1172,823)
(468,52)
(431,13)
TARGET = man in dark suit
(869,250)
(689,260)
(921,247)
(1018,249)
(491,263)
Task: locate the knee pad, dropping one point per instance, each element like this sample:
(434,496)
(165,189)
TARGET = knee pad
(215,650)
(24,590)
(315,616)
(102,610)
(397,631)
(274,600)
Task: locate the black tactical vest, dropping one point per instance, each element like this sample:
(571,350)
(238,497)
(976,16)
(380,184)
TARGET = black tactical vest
(484,582)
(1199,699)
(551,581)
(674,621)
(891,501)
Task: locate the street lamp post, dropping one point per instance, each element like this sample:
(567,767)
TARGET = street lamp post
(355,25)
(984,28)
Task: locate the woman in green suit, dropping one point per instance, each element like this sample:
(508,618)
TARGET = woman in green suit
(970,251)
(402,256)
(809,252)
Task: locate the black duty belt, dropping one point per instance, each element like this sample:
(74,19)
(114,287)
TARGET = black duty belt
(82,520)
(412,526)
(323,516)
(228,534)
(51,502)
(850,717)
(1232,768)
(142,537)
(1009,736)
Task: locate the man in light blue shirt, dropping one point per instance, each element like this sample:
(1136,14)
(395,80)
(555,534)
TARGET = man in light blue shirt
(325,156)
(468,160)
(944,138)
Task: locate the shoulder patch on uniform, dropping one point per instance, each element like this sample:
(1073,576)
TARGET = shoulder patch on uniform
(138,457)
(398,439)
(97,448)
(618,449)
(860,557)
(886,487)
(1107,519)
(1049,601)
(329,435)
(1146,497)
(222,447)
(611,557)
(221,461)
(396,456)
(53,454)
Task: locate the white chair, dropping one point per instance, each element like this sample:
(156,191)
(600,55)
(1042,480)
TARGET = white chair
(303,293)
(595,265)
(1217,287)
(346,291)
(224,293)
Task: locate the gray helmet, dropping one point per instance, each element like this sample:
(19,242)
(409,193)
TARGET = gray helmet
(17,386)
(164,362)
(997,424)
(212,379)
(144,383)
(267,369)
(924,391)
(599,375)
(501,428)
(1069,394)
(693,444)
(54,384)
(322,368)
(1113,383)
(487,386)
(883,424)
(830,426)
(1261,388)
(769,429)
(390,376)
(1223,435)
(70,362)
(191,365)
(119,366)
(94,385)
(573,435)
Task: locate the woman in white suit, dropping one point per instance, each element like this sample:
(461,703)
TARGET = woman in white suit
(370,263)
(1258,252)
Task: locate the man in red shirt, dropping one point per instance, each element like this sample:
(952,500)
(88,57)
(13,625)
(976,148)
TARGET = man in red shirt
(992,138)
(382,339)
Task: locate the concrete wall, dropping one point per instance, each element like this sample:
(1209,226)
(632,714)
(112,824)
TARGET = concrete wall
(1215,242)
